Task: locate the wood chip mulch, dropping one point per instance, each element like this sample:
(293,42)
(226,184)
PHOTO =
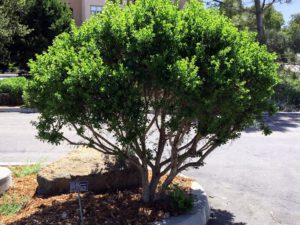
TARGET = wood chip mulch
(118,208)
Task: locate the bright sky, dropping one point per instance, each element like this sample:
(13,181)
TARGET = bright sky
(288,9)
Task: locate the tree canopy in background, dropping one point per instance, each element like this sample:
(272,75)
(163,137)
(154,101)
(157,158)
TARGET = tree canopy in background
(169,85)
(294,32)
(10,26)
(273,32)
(31,26)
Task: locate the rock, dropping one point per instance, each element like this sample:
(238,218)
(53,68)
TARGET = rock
(5,179)
(85,164)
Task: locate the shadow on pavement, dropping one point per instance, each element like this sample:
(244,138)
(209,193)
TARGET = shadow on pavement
(281,122)
(222,217)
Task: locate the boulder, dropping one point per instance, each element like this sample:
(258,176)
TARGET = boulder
(5,179)
(86,164)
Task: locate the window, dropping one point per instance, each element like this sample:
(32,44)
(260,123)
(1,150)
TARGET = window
(95,9)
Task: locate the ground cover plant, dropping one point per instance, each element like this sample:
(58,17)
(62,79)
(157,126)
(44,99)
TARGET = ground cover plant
(23,171)
(11,90)
(155,85)
(12,205)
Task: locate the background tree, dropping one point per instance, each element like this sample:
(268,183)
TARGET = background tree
(240,15)
(261,6)
(10,26)
(259,9)
(167,86)
(43,21)
(273,19)
(294,32)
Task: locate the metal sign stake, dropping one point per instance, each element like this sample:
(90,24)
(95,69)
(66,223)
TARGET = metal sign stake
(79,186)
(80,209)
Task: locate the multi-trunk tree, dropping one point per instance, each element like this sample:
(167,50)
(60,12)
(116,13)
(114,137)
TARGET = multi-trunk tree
(158,86)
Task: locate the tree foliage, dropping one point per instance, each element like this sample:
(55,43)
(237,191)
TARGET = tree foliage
(273,19)
(261,10)
(31,26)
(294,32)
(167,86)
(10,26)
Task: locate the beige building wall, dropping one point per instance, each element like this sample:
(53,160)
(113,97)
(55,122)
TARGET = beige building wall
(86,7)
(76,6)
(82,8)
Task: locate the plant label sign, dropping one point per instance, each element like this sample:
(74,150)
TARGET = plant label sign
(79,186)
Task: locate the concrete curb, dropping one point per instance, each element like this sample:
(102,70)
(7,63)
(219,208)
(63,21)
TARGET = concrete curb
(199,215)
(5,179)
(17,109)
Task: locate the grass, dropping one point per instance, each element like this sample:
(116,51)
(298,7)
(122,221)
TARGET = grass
(23,171)
(12,204)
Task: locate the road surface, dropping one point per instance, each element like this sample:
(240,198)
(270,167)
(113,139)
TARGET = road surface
(254,180)
(18,144)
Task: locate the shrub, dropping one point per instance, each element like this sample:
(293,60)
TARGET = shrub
(153,82)
(287,92)
(180,200)
(11,90)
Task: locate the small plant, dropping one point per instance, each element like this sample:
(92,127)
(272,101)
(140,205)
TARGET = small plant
(180,200)
(26,170)
(12,204)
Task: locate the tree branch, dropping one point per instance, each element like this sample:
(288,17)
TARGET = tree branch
(200,161)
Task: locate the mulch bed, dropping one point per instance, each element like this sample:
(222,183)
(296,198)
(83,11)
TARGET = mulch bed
(118,208)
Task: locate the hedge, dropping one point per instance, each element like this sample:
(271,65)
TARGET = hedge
(11,91)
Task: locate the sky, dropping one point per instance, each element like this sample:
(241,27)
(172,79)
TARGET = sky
(288,9)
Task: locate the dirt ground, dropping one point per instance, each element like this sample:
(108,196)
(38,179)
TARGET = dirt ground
(118,208)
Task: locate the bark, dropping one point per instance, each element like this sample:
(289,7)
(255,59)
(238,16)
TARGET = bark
(259,13)
(149,194)
(145,186)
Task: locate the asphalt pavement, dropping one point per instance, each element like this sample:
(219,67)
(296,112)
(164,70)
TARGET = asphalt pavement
(254,180)
(18,142)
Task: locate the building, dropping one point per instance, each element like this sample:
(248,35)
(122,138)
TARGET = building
(83,9)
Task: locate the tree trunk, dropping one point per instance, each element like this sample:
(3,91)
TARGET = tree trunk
(149,194)
(260,22)
(153,186)
(145,186)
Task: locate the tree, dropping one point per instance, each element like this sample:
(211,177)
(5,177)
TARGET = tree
(277,38)
(278,42)
(294,32)
(153,82)
(259,9)
(10,26)
(273,19)
(45,20)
